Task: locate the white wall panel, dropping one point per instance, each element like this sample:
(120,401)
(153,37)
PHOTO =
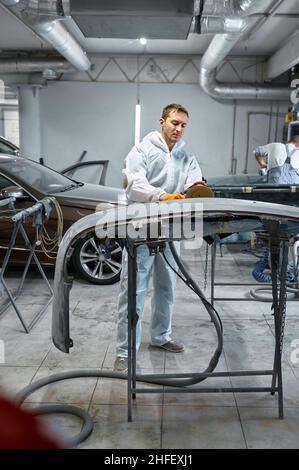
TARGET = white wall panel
(95,117)
(209,132)
(256,124)
(99,118)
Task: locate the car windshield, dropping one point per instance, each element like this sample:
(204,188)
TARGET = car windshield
(40,177)
(5,147)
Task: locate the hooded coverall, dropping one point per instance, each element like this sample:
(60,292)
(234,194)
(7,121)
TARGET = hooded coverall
(282,168)
(151,170)
(282,162)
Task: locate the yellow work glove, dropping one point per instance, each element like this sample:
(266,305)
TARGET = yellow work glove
(171,197)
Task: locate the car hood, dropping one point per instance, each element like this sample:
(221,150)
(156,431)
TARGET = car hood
(89,195)
(236,180)
(219,216)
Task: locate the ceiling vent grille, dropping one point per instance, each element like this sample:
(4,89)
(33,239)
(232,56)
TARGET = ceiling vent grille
(155,19)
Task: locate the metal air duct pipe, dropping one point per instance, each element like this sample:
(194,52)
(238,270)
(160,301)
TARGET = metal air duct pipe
(210,24)
(61,39)
(33,65)
(219,48)
(10,3)
(50,29)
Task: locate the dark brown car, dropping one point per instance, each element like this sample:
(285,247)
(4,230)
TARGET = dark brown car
(7,147)
(95,260)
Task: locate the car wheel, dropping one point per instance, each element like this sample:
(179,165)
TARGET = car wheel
(98,261)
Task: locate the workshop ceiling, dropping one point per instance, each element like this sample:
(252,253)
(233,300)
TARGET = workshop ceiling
(148,18)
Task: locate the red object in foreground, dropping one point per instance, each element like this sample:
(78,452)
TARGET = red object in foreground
(20,429)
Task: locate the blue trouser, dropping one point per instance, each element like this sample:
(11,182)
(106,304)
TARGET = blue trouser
(262,264)
(164,280)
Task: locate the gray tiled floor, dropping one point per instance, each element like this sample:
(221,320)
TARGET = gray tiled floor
(161,421)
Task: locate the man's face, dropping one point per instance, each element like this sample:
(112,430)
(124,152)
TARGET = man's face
(173,127)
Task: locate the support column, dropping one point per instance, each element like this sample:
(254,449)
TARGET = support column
(2,100)
(29,121)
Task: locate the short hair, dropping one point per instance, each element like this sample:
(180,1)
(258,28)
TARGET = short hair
(295,139)
(173,107)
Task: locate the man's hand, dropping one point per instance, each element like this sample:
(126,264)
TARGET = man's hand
(261,161)
(171,197)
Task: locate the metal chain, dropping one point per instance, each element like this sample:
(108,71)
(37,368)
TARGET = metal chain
(283,315)
(206,267)
(282,327)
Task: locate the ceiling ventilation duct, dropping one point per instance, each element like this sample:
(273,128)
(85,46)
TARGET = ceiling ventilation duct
(10,3)
(218,8)
(32,65)
(36,7)
(44,18)
(220,47)
(154,19)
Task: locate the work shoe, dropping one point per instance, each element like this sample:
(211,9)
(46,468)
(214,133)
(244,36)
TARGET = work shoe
(121,364)
(170,346)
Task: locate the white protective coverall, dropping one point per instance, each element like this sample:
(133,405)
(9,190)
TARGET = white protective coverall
(282,162)
(152,170)
(282,168)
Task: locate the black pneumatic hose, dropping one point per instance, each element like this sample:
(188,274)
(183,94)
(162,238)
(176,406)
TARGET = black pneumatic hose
(211,311)
(84,415)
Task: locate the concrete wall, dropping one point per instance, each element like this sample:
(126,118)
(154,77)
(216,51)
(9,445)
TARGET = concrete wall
(99,118)
(206,115)
(95,111)
(9,119)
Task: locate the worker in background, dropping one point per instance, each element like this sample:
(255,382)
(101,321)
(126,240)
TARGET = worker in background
(281,161)
(157,169)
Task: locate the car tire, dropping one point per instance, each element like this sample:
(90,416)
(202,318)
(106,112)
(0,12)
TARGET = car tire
(98,261)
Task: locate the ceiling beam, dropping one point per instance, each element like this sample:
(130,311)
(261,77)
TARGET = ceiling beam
(283,59)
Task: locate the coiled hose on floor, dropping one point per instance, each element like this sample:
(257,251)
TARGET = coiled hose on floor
(260,266)
(180,382)
(260,276)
